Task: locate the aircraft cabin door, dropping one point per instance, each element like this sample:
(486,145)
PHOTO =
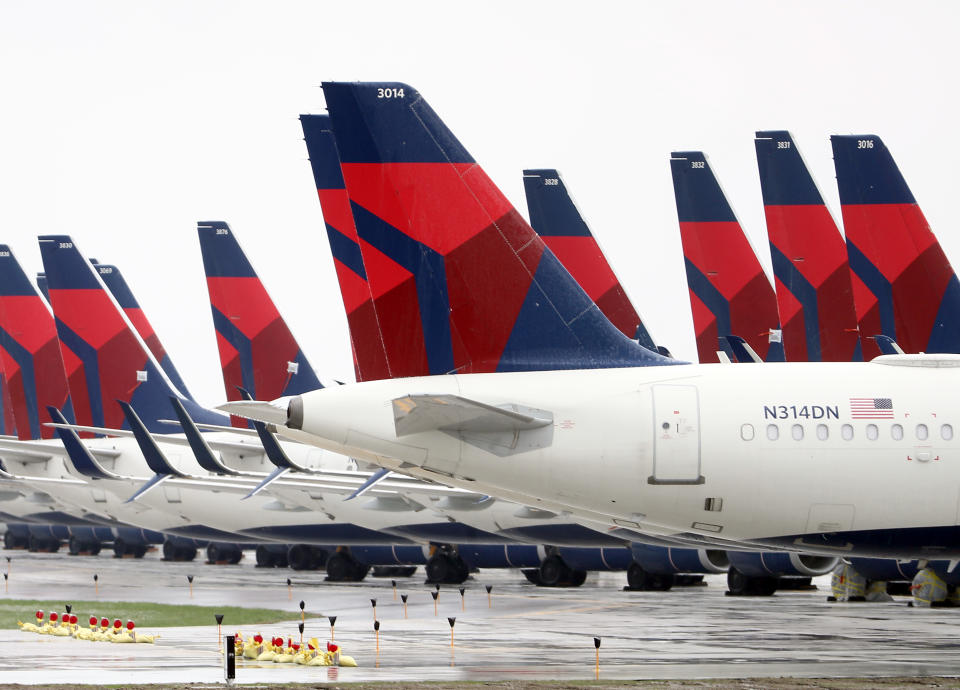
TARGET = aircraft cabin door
(676,433)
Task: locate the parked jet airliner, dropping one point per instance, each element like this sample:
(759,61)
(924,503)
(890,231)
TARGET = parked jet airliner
(710,452)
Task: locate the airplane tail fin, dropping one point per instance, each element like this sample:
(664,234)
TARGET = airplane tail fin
(810,264)
(115,364)
(729,292)
(369,356)
(893,253)
(555,217)
(121,292)
(460,281)
(34,369)
(257,350)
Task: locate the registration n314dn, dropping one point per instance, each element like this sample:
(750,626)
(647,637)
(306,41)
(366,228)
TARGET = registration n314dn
(841,458)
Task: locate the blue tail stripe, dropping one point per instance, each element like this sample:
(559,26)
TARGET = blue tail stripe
(710,296)
(91,369)
(24,360)
(877,284)
(346,251)
(429,273)
(806,294)
(945,336)
(241,344)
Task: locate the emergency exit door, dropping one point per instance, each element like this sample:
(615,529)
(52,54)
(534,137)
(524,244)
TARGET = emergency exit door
(676,434)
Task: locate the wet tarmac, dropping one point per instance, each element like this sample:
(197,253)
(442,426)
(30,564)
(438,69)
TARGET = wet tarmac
(530,633)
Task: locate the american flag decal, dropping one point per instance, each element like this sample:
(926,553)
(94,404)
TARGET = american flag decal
(871,408)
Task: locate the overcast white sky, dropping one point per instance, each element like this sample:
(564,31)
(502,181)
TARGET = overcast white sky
(124,123)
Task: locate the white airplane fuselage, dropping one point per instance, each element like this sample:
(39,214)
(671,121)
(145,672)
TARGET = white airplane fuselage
(837,458)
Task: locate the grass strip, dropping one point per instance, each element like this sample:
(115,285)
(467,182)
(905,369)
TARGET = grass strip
(144,614)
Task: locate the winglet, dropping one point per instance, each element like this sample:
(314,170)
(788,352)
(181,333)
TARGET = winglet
(742,350)
(155,458)
(82,459)
(201,449)
(274,451)
(887,345)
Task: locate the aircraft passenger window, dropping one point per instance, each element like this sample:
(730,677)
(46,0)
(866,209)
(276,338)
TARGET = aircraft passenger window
(896,432)
(946,432)
(846,431)
(872,432)
(922,432)
(773,432)
(797,432)
(823,433)
(746,432)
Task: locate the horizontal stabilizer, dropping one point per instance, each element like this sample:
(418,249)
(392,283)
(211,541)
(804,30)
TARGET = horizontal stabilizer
(239,431)
(86,428)
(417,413)
(256,409)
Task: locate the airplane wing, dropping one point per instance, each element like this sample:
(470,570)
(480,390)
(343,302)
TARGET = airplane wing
(35,451)
(215,444)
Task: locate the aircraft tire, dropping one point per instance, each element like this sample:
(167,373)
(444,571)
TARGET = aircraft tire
(459,572)
(438,568)
(339,568)
(532,575)
(300,557)
(265,557)
(553,571)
